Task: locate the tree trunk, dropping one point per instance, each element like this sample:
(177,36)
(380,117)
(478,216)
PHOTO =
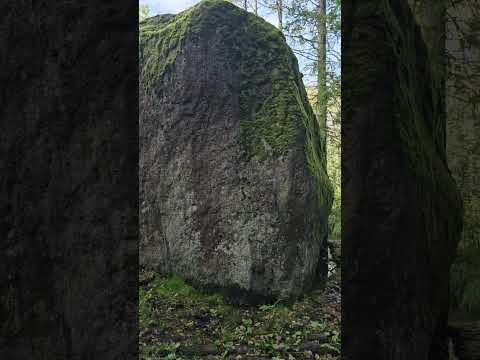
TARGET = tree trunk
(322,71)
(256,7)
(280,14)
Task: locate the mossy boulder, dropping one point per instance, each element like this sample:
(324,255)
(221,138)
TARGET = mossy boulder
(233,188)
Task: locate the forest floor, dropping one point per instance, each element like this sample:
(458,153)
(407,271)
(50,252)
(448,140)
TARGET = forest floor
(179,322)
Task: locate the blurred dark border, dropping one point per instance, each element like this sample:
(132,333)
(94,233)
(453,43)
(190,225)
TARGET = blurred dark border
(403,210)
(68,179)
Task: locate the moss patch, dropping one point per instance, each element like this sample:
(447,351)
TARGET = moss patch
(160,40)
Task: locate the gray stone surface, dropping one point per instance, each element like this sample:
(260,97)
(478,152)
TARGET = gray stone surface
(213,211)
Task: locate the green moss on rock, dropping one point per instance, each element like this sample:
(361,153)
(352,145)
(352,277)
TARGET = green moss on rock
(421,125)
(274,109)
(160,41)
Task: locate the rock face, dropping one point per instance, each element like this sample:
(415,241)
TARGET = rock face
(233,190)
(402,211)
(463,145)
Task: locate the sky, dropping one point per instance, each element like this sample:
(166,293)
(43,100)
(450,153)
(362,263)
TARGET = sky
(175,6)
(167,6)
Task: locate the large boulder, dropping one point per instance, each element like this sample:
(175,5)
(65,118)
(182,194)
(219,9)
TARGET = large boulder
(233,190)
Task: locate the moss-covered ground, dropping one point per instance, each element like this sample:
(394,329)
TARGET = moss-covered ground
(180,322)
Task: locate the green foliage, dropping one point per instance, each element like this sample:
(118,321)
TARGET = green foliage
(168,351)
(243,331)
(146,310)
(334,169)
(184,319)
(143,12)
(177,290)
(302,27)
(465,280)
(174,290)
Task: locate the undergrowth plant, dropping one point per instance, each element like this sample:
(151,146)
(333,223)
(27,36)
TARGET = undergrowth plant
(176,320)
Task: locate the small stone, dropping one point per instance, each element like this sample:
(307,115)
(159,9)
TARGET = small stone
(311,346)
(242,349)
(317,337)
(209,349)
